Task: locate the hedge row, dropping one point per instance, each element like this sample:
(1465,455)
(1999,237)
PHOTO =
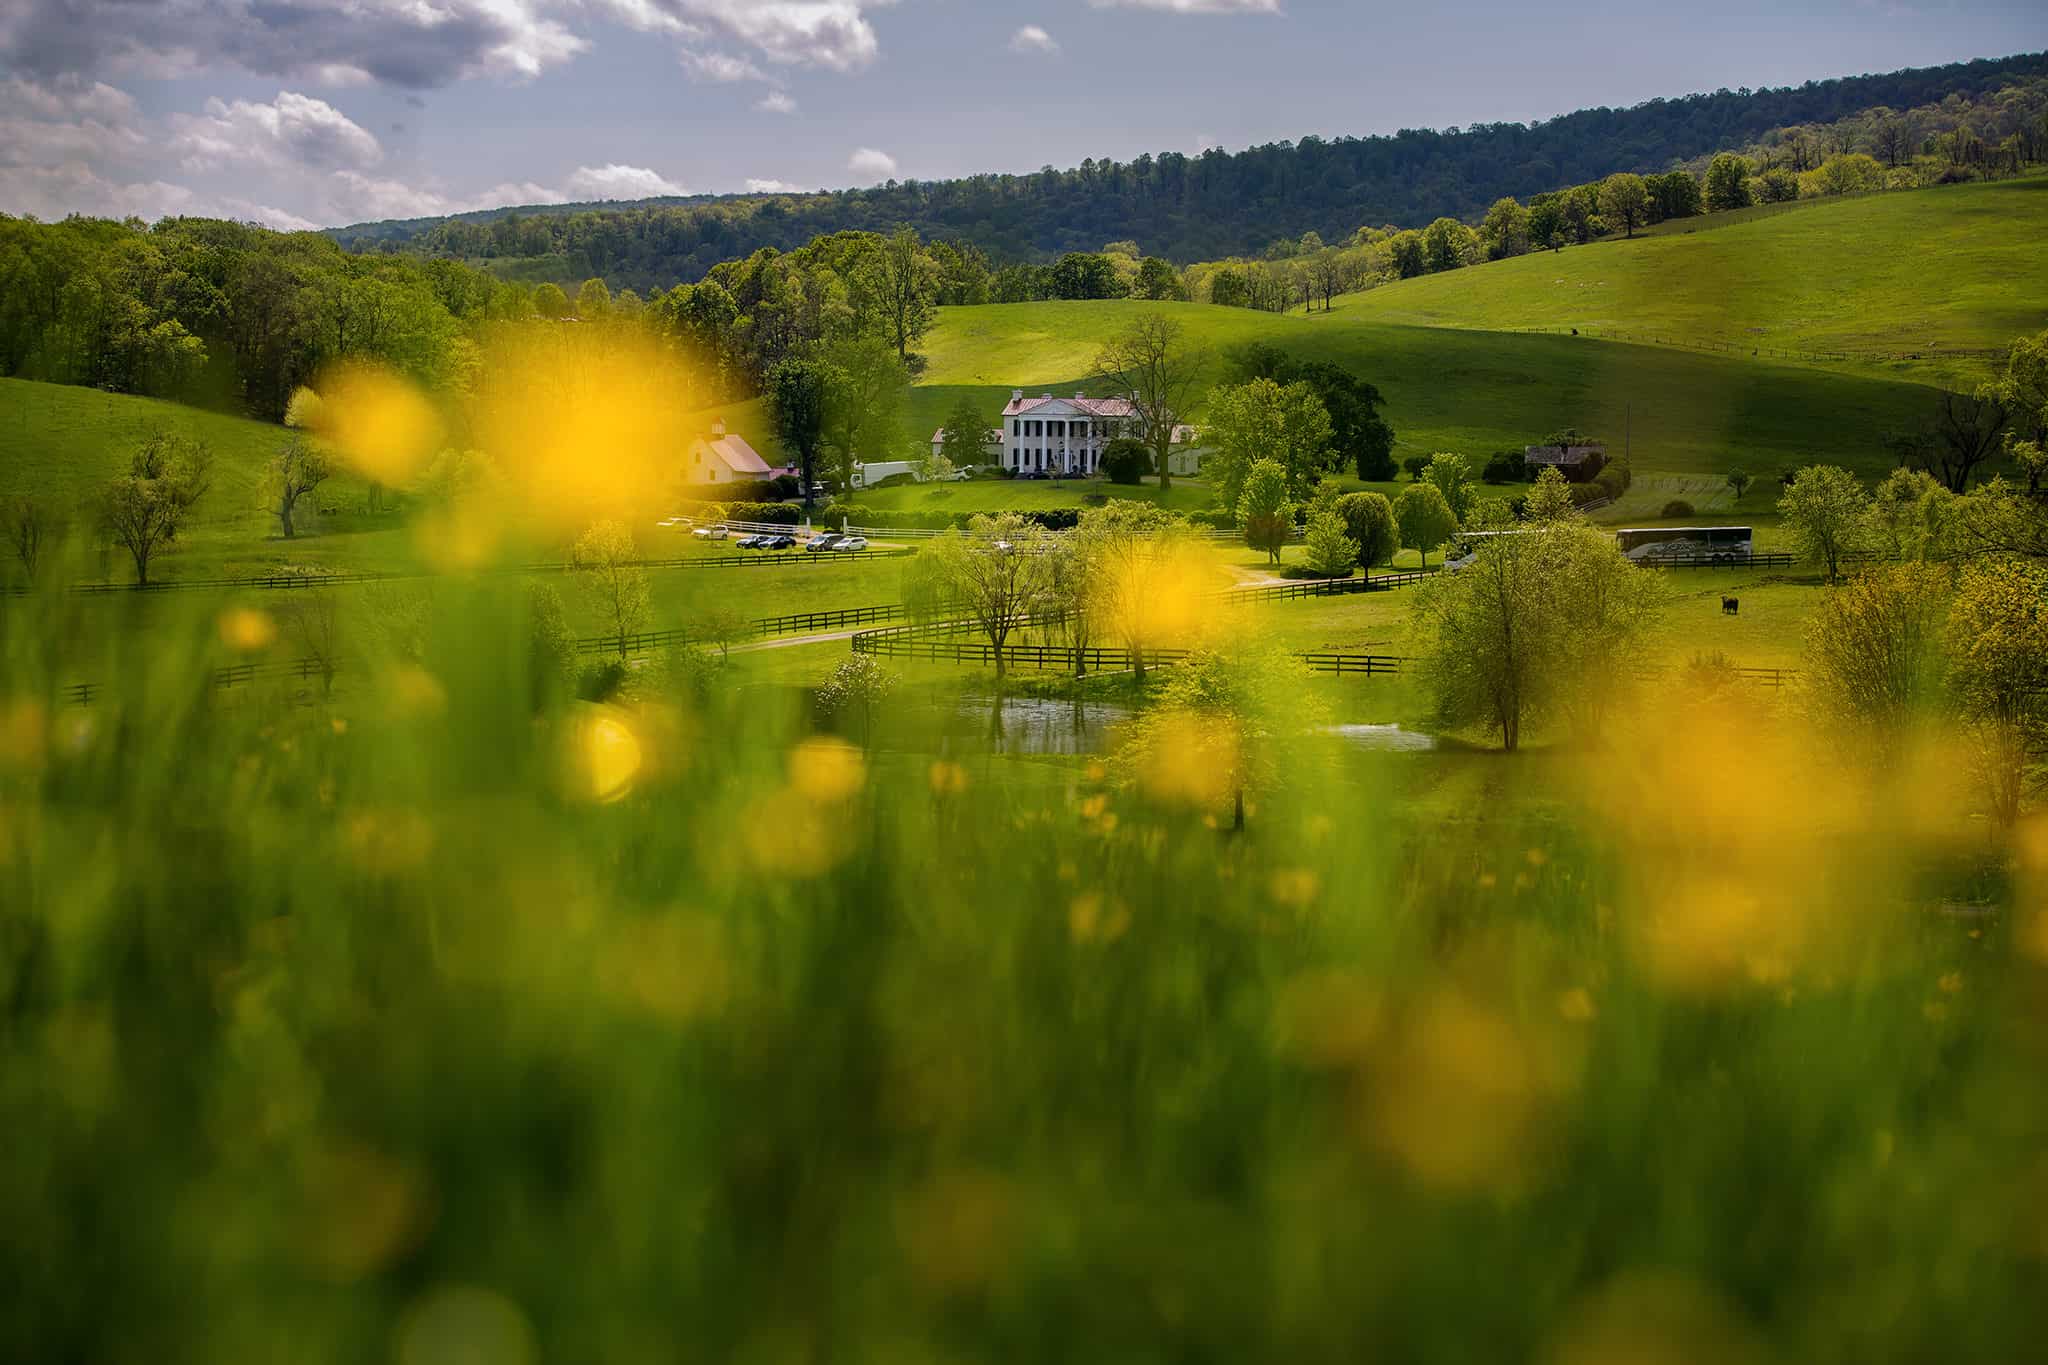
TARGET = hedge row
(774,513)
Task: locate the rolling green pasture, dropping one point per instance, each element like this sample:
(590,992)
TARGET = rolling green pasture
(1957,266)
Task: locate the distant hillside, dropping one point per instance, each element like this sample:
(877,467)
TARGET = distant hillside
(1185,208)
(1942,270)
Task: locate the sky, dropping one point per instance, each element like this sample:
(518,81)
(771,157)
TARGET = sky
(300,113)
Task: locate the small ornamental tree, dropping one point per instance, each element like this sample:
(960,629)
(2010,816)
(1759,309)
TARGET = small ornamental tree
(1263,509)
(1331,552)
(1424,518)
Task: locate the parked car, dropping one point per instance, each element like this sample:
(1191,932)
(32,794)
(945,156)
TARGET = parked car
(852,543)
(711,533)
(752,542)
(823,541)
(959,476)
(781,542)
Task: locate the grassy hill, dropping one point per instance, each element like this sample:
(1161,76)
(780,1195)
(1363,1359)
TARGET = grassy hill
(61,442)
(1955,267)
(1447,389)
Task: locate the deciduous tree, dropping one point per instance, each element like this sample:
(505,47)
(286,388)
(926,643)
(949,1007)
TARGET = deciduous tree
(799,396)
(1152,363)
(1264,510)
(1828,514)
(1624,201)
(1263,420)
(1424,517)
(299,467)
(1997,633)
(606,557)
(1369,520)
(144,510)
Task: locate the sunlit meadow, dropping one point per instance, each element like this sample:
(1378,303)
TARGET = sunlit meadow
(437,1015)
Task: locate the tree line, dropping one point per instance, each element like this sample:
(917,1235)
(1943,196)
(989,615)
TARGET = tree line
(227,314)
(1874,149)
(1185,208)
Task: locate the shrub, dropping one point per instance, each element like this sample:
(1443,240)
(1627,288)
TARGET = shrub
(1613,480)
(775,513)
(1415,464)
(1677,507)
(784,486)
(1583,493)
(1505,466)
(1126,461)
(601,682)
(1095,499)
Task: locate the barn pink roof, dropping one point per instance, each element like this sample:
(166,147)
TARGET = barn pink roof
(737,455)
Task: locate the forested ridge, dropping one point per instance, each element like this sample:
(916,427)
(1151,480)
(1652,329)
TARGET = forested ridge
(1183,208)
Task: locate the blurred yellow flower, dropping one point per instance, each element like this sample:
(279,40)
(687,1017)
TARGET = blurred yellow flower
(826,770)
(947,778)
(604,755)
(1090,921)
(247,629)
(380,424)
(1295,886)
(415,694)
(24,734)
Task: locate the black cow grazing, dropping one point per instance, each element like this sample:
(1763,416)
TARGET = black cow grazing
(1730,606)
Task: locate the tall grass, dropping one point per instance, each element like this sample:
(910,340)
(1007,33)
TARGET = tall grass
(442,1022)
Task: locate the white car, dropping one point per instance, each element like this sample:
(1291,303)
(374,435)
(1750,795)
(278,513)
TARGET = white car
(958,476)
(852,543)
(710,533)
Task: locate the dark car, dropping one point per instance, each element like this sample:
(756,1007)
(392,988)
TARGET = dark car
(781,542)
(750,542)
(823,542)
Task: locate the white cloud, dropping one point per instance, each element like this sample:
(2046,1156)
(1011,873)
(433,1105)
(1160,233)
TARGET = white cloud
(408,43)
(614,181)
(1032,39)
(719,67)
(1194,6)
(513,195)
(71,187)
(776,102)
(771,187)
(871,165)
(292,130)
(833,34)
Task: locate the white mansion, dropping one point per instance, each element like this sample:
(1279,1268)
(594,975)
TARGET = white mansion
(1066,435)
(1061,434)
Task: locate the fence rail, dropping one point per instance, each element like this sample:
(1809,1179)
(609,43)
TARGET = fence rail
(1758,349)
(1776,559)
(1328,587)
